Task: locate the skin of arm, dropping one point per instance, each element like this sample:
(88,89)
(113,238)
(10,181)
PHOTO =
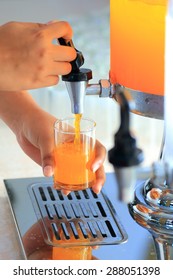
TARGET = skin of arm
(34,132)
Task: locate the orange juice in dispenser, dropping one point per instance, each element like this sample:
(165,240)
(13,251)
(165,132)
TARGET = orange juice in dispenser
(137,44)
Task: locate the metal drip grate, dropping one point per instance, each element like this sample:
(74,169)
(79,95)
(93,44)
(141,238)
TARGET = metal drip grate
(82,217)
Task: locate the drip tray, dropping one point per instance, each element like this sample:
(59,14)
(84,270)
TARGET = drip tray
(82,217)
(44,218)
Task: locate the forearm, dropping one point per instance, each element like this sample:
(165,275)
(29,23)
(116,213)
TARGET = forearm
(15,107)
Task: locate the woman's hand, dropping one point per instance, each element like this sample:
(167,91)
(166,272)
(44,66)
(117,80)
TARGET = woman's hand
(29,59)
(36,138)
(34,131)
(97,166)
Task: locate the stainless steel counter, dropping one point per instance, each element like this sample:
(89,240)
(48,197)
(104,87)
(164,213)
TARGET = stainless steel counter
(9,242)
(139,244)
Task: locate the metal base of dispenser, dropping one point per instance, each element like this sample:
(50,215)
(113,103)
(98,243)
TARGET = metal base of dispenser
(139,244)
(80,218)
(148,105)
(153,210)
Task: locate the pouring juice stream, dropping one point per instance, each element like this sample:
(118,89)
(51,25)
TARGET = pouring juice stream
(77,128)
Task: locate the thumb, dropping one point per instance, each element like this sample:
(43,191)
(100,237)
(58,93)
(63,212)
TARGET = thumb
(47,157)
(48,165)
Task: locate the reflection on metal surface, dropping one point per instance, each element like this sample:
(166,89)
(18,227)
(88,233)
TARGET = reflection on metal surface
(31,236)
(81,215)
(153,209)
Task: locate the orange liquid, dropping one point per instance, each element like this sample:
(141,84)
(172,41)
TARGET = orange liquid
(137,44)
(73,160)
(77,128)
(72,253)
(72,166)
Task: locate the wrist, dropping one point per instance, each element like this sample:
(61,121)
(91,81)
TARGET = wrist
(16,109)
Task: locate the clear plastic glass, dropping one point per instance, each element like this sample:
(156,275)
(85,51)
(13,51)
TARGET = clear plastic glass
(74,152)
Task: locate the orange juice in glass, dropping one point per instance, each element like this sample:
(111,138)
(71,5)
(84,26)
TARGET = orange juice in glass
(73,156)
(137,30)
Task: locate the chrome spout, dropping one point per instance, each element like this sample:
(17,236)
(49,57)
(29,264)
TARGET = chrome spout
(102,89)
(76,92)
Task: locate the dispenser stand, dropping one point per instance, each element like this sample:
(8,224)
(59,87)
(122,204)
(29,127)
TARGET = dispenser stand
(153,209)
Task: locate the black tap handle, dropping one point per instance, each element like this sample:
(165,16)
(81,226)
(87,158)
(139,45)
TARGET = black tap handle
(124,153)
(79,60)
(76,74)
(65,42)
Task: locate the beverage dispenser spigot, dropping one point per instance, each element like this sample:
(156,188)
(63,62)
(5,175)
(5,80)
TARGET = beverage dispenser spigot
(77,80)
(125,156)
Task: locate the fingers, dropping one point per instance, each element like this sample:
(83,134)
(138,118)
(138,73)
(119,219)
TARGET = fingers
(54,69)
(59,64)
(96,247)
(42,155)
(100,154)
(60,68)
(46,82)
(97,167)
(48,169)
(100,179)
(63,53)
(47,160)
(49,81)
(65,192)
(34,25)
(46,145)
(57,29)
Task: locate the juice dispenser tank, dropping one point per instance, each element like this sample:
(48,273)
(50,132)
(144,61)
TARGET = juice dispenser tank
(137,52)
(137,31)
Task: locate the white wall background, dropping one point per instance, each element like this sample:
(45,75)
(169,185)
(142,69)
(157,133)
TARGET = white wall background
(44,10)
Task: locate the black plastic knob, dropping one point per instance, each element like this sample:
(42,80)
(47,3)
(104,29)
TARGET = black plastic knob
(124,153)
